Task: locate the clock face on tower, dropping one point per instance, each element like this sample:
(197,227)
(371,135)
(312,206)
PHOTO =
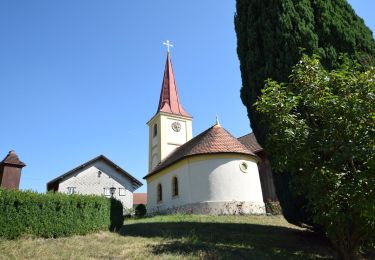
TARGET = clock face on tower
(176,126)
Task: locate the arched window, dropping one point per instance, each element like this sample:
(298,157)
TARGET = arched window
(174,186)
(160,193)
(155,130)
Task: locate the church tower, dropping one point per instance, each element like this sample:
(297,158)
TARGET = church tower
(171,126)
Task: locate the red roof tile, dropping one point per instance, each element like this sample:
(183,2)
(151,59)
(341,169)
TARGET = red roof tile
(250,142)
(139,198)
(169,101)
(12,159)
(212,141)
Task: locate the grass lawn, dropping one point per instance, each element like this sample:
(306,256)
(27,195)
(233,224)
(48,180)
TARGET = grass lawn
(180,237)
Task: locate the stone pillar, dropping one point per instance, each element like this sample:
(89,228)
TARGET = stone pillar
(10,171)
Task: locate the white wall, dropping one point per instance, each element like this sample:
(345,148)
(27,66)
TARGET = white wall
(170,139)
(215,179)
(87,181)
(167,140)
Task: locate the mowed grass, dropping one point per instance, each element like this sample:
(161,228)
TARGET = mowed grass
(180,237)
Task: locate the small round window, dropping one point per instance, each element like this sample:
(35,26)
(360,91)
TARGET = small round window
(244,167)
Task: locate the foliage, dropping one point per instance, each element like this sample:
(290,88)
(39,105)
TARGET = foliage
(55,214)
(129,213)
(140,210)
(270,35)
(322,128)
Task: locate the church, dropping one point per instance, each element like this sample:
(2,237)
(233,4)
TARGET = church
(211,173)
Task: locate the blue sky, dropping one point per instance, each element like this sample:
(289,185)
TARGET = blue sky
(82,78)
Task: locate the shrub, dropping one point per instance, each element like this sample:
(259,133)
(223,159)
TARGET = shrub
(56,214)
(140,210)
(323,130)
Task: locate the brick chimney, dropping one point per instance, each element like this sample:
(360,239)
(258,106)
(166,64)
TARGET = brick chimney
(10,171)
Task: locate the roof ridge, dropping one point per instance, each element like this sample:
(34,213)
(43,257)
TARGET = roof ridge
(181,146)
(101,156)
(251,133)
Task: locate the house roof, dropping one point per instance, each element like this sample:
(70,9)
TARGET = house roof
(214,140)
(57,180)
(250,142)
(12,159)
(169,101)
(139,198)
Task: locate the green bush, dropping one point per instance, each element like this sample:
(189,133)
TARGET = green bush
(56,214)
(140,210)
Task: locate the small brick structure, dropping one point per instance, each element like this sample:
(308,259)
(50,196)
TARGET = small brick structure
(10,171)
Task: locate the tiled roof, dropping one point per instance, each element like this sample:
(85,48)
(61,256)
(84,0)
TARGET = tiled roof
(139,198)
(12,159)
(250,142)
(212,141)
(169,100)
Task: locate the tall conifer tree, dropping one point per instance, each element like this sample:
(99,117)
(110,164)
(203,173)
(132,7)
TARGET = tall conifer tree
(271,37)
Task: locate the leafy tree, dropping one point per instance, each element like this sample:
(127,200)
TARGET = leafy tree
(270,35)
(322,128)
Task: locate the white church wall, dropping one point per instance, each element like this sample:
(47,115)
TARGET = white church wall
(88,181)
(167,139)
(222,180)
(171,139)
(212,184)
(173,136)
(169,148)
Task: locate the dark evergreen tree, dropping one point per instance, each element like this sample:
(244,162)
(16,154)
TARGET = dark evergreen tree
(271,37)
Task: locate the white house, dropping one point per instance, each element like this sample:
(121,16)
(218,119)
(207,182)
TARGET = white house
(99,176)
(212,173)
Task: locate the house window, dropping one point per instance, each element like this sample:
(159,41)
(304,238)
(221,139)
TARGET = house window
(160,193)
(71,190)
(121,192)
(174,186)
(155,130)
(107,192)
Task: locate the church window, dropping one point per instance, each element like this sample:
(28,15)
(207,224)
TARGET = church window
(160,192)
(174,186)
(155,130)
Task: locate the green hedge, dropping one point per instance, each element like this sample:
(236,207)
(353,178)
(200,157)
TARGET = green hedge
(56,214)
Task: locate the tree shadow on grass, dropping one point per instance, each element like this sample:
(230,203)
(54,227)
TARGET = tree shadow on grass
(231,240)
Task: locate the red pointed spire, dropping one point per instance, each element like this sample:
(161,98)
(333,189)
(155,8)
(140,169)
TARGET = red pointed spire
(169,101)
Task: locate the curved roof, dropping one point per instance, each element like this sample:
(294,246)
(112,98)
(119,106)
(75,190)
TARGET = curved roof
(212,141)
